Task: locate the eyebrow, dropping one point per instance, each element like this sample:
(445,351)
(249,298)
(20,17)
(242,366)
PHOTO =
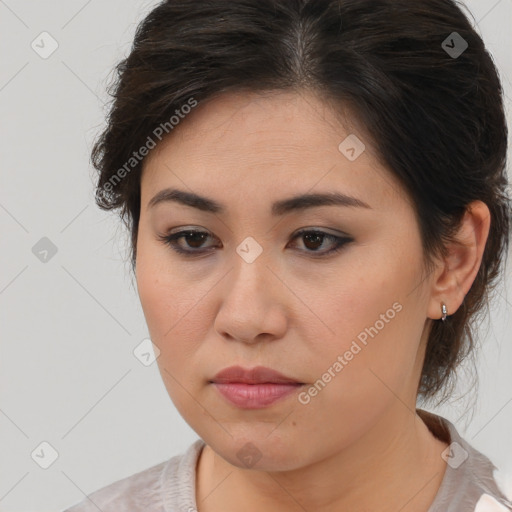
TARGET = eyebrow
(281,207)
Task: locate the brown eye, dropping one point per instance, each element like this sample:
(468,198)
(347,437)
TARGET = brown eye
(193,239)
(313,239)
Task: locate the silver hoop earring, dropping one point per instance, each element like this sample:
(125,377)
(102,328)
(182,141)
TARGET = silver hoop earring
(444,310)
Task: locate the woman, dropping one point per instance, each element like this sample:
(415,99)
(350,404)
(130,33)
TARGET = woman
(316,193)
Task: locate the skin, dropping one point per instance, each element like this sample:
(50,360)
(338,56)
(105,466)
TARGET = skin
(358,444)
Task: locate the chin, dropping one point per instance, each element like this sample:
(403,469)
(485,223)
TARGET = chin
(262,451)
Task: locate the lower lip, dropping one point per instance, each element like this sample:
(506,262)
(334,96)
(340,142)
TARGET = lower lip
(255,396)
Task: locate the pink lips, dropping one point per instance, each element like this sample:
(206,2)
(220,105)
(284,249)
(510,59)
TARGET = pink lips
(253,388)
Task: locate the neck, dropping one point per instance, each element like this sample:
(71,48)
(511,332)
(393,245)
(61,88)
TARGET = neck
(396,465)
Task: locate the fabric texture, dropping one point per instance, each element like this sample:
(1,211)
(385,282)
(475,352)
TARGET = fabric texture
(469,483)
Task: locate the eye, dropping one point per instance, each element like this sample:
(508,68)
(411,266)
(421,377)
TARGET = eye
(194,240)
(315,238)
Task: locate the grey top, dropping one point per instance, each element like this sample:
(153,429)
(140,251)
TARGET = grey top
(468,485)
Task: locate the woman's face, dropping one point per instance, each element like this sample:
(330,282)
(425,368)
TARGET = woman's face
(250,292)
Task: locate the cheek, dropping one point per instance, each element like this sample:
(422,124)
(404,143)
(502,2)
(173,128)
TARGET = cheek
(172,319)
(372,353)
(172,315)
(168,303)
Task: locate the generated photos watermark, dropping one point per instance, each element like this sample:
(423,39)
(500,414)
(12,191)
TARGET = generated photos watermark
(355,348)
(158,133)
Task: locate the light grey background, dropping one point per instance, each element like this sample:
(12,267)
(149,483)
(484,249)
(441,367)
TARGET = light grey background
(69,326)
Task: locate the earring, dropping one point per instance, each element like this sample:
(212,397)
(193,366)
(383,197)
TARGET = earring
(444,311)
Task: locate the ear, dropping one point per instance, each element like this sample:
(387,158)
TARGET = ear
(457,271)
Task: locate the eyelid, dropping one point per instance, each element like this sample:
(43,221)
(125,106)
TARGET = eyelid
(326,231)
(340,240)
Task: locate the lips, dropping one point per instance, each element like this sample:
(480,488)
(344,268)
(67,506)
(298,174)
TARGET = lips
(256,375)
(254,388)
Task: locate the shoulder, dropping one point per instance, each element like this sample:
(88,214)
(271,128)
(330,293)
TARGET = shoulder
(125,494)
(471,481)
(142,491)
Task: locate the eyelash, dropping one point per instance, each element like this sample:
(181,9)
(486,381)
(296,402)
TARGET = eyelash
(171,241)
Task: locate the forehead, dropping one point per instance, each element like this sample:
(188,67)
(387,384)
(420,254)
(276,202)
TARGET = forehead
(245,143)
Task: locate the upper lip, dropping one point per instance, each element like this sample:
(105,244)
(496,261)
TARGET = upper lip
(256,375)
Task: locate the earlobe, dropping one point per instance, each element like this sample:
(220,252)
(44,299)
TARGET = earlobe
(462,263)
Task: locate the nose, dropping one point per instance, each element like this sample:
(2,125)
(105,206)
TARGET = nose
(253,303)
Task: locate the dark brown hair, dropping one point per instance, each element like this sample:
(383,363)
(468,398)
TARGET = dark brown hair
(435,115)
